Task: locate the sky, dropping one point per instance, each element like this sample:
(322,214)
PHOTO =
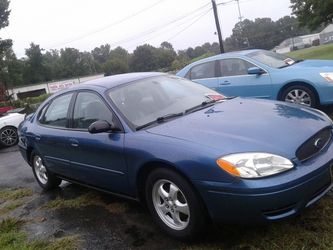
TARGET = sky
(85,24)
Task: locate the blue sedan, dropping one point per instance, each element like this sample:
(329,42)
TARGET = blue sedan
(265,74)
(185,151)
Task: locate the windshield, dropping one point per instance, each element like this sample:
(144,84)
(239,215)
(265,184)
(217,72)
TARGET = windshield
(272,59)
(147,100)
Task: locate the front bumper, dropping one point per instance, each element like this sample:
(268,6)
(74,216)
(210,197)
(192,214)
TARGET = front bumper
(272,198)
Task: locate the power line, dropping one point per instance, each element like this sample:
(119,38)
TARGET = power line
(158,28)
(107,27)
(154,37)
(189,25)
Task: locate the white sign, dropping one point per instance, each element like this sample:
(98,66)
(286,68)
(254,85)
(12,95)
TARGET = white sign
(54,87)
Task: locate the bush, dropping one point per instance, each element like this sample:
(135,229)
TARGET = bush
(30,101)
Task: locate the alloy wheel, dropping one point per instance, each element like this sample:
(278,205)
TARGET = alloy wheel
(8,137)
(299,96)
(171,204)
(40,170)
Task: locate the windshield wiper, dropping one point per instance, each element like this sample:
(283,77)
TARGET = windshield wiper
(203,105)
(159,120)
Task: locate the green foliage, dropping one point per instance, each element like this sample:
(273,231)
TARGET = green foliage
(144,58)
(30,102)
(263,33)
(313,13)
(115,66)
(101,54)
(4,13)
(34,70)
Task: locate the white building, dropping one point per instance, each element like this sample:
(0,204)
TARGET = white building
(47,88)
(326,36)
(298,42)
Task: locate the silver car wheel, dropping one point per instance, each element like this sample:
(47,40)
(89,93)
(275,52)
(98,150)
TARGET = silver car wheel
(8,137)
(170,204)
(40,170)
(299,96)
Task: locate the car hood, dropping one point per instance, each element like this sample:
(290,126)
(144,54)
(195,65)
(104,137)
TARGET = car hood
(323,65)
(247,125)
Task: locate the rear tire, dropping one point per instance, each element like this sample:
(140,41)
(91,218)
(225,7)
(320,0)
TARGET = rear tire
(44,177)
(174,204)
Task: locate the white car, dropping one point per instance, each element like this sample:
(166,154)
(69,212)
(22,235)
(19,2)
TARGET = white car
(8,127)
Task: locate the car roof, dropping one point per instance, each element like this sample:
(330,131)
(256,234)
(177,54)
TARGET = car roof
(230,54)
(116,80)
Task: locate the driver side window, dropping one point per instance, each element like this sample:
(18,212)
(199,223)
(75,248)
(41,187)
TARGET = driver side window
(90,108)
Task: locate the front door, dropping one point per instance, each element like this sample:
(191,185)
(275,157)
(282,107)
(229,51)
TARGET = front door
(97,159)
(234,80)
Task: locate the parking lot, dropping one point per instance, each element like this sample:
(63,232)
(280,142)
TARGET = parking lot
(77,217)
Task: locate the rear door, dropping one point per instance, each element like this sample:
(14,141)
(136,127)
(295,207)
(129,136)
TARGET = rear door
(52,133)
(205,74)
(234,79)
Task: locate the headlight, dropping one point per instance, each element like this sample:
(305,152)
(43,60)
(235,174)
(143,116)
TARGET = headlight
(254,165)
(328,76)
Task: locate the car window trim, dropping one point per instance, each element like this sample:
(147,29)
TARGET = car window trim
(114,115)
(49,103)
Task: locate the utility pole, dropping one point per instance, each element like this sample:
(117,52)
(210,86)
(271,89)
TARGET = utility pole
(218,28)
(241,20)
(239,11)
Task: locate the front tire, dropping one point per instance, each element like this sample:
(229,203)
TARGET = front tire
(8,136)
(44,177)
(300,95)
(174,205)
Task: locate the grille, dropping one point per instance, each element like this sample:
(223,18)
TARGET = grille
(314,145)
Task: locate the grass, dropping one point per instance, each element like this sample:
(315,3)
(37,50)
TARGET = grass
(10,207)
(14,194)
(318,52)
(86,200)
(11,238)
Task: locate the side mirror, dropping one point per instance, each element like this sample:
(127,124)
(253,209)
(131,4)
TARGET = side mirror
(255,71)
(101,127)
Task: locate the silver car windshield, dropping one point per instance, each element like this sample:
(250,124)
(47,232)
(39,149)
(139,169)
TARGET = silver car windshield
(146,100)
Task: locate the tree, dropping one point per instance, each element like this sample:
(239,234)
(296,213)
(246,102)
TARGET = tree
(5,45)
(34,68)
(115,66)
(101,54)
(313,13)
(144,59)
(165,56)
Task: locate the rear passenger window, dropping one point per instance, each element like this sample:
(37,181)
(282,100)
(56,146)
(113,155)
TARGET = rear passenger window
(56,113)
(204,70)
(90,108)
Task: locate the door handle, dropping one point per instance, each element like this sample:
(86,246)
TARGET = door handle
(225,83)
(74,143)
(37,137)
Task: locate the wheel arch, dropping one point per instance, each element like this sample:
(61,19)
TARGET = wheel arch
(29,154)
(148,167)
(302,83)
